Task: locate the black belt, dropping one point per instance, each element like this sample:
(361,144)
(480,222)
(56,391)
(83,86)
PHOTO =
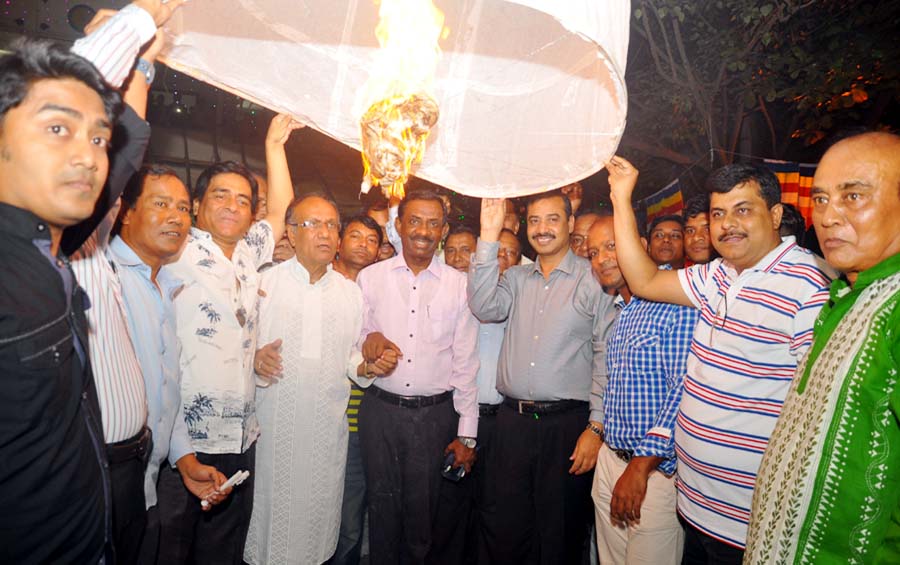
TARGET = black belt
(625,455)
(488,409)
(136,447)
(408,401)
(543,406)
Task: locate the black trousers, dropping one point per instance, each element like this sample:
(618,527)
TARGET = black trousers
(535,511)
(189,535)
(129,508)
(702,549)
(403,450)
(458,529)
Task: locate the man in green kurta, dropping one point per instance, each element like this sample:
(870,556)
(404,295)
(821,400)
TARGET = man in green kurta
(828,489)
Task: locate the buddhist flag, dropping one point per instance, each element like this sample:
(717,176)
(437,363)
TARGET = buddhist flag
(789,176)
(807,172)
(666,201)
(796,181)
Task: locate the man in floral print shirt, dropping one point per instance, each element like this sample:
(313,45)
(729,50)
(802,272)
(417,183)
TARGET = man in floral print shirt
(216,314)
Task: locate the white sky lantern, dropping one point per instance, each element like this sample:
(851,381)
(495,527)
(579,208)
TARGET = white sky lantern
(530,93)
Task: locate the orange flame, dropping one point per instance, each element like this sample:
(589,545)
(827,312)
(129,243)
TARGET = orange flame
(400,110)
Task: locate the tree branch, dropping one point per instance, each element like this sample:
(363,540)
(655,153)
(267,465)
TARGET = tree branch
(658,151)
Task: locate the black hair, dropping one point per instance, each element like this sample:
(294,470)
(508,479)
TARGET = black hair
(366,221)
(666,218)
(289,213)
(222,168)
(792,223)
(695,206)
(423,194)
(31,60)
(135,187)
(587,211)
(729,177)
(532,198)
(462,228)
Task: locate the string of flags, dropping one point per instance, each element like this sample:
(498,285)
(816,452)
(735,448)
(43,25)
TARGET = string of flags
(796,181)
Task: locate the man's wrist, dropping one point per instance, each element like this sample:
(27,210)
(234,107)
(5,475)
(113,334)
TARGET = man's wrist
(596,429)
(469,442)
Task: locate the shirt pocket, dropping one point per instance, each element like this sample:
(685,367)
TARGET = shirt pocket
(642,352)
(441,322)
(46,348)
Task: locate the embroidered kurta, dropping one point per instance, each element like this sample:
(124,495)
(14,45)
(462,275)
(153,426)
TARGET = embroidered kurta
(828,489)
(216,315)
(302,448)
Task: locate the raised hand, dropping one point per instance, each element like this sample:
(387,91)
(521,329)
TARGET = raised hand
(493,211)
(575,192)
(622,179)
(280,129)
(161,11)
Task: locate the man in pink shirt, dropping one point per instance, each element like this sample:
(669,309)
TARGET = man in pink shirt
(415,309)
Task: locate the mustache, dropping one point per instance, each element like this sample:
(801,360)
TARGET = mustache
(732,234)
(86,176)
(550,235)
(423,239)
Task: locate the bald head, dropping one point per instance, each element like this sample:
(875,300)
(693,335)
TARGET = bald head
(856,202)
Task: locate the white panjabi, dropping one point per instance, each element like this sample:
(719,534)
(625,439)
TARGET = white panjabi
(531,92)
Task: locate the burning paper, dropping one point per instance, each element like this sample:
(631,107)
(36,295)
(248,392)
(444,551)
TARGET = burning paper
(397,123)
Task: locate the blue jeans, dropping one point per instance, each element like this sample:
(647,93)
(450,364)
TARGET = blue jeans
(353,509)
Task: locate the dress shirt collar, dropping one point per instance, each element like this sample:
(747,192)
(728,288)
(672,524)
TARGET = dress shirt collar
(399,262)
(21,223)
(567,265)
(125,256)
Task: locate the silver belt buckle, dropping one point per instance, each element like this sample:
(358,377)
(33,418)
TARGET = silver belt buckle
(526,402)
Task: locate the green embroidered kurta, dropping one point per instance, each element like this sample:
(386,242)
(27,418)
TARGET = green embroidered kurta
(828,489)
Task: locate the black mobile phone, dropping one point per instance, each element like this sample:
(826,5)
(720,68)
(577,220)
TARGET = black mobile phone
(449,472)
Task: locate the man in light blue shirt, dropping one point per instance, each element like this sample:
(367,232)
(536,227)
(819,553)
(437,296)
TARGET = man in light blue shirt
(153,225)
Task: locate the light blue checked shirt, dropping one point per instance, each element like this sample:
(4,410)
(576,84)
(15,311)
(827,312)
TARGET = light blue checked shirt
(647,356)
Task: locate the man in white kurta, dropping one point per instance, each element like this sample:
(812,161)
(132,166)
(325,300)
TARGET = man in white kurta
(301,402)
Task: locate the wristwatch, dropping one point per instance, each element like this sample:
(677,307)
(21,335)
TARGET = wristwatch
(147,68)
(597,431)
(469,442)
(370,374)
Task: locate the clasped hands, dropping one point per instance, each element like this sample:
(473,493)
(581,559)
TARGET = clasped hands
(380,356)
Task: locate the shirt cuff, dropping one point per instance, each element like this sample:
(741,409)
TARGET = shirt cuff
(486,250)
(362,382)
(468,426)
(178,448)
(114,47)
(596,415)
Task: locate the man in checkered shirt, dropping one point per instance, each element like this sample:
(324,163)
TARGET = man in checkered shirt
(634,484)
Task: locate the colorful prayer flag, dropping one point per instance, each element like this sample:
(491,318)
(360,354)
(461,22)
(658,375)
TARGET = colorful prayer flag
(666,201)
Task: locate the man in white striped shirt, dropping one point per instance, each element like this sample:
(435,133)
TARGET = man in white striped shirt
(112,46)
(757,306)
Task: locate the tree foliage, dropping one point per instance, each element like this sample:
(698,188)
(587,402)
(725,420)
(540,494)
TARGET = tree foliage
(718,74)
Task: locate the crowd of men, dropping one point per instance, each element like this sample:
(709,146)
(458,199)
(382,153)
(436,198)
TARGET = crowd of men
(704,391)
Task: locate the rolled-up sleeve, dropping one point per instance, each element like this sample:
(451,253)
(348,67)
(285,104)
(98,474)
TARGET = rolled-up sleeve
(489,294)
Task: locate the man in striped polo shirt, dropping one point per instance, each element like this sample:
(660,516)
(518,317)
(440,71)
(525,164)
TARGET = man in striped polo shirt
(757,306)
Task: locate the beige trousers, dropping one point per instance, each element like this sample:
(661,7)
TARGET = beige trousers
(657,540)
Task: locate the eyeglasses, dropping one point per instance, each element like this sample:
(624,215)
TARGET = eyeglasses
(315,225)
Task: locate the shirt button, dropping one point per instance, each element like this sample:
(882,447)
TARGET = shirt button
(532,363)
(413,311)
(546,288)
(84,395)
(535,337)
(540,311)
(41,227)
(410,335)
(407,384)
(414,288)
(409,360)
